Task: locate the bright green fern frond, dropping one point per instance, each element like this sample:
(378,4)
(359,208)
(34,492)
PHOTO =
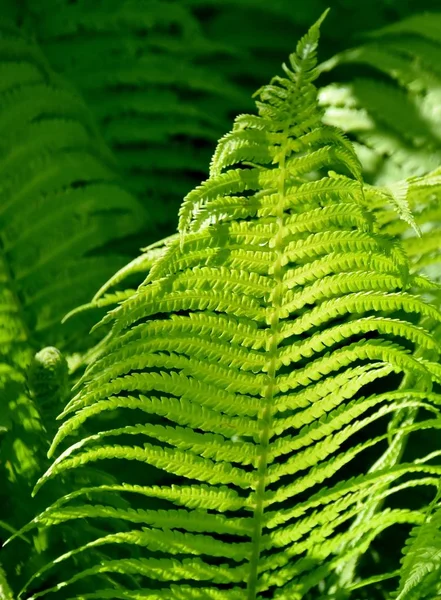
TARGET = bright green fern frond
(5,592)
(259,368)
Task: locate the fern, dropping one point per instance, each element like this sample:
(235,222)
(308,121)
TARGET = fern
(393,115)
(422,561)
(164,77)
(62,202)
(143,69)
(245,365)
(5,592)
(51,152)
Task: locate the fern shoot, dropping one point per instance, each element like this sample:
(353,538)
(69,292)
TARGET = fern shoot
(48,375)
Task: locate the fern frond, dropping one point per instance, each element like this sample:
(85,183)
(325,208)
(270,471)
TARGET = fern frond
(5,591)
(422,559)
(143,68)
(248,366)
(62,202)
(60,194)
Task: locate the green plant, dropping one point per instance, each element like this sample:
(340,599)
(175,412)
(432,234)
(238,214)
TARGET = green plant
(389,106)
(143,68)
(295,295)
(164,78)
(5,592)
(275,352)
(61,204)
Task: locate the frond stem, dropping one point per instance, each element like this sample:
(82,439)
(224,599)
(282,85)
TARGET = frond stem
(267,412)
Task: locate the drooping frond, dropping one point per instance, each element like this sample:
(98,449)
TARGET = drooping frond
(257,367)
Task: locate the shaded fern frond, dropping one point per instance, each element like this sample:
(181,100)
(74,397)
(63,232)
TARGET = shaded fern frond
(61,203)
(247,366)
(393,117)
(143,68)
(422,558)
(395,122)
(62,200)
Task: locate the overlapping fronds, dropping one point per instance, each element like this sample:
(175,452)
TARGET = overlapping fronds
(257,369)
(61,203)
(390,104)
(392,113)
(143,68)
